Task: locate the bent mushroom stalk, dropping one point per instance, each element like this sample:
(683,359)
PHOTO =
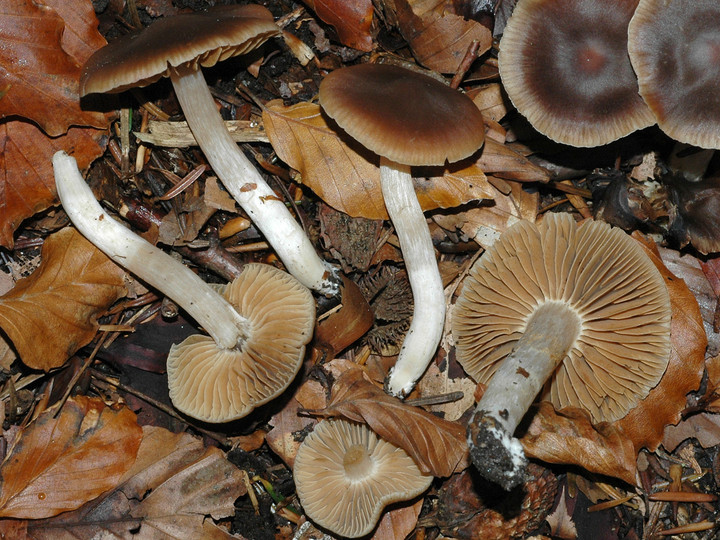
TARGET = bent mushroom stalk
(407,119)
(580,310)
(177,47)
(249,357)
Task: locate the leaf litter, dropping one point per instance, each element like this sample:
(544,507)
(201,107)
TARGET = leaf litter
(99,462)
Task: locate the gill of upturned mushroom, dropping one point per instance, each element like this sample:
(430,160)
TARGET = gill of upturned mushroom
(345,475)
(564,64)
(580,307)
(257,331)
(178,47)
(674,47)
(407,119)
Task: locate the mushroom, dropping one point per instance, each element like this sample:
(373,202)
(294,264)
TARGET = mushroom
(258,329)
(177,47)
(674,47)
(564,64)
(345,475)
(407,119)
(582,308)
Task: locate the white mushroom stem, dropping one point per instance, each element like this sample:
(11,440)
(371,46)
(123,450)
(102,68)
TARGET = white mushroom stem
(551,331)
(155,267)
(247,186)
(412,230)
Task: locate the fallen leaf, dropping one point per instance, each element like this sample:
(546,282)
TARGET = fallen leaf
(611,449)
(58,464)
(27,183)
(704,427)
(436,382)
(502,161)
(347,176)
(38,77)
(398,521)
(486,223)
(61,300)
(437,36)
(350,18)
(561,522)
(174,484)
(437,446)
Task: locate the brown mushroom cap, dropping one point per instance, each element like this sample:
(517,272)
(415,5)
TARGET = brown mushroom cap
(565,67)
(600,274)
(219,385)
(200,39)
(403,115)
(345,475)
(674,47)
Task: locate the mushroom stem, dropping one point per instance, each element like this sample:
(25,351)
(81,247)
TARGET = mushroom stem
(246,184)
(550,333)
(428,318)
(155,267)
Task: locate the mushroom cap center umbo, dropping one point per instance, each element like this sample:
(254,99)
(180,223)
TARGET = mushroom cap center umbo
(357,463)
(556,321)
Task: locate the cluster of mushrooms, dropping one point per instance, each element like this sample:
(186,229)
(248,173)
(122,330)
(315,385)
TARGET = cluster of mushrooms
(579,315)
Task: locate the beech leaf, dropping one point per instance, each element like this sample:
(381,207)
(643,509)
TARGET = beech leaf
(27,184)
(173,485)
(347,176)
(38,78)
(568,437)
(61,300)
(438,38)
(437,446)
(58,464)
(351,19)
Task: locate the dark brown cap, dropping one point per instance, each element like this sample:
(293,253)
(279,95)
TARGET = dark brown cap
(200,39)
(565,67)
(219,385)
(675,50)
(403,115)
(596,274)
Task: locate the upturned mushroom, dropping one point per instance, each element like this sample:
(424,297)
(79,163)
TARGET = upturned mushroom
(581,308)
(257,331)
(407,119)
(177,47)
(565,66)
(345,476)
(674,47)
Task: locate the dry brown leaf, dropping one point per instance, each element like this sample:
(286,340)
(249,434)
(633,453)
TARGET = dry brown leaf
(438,38)
(570,438)
(704,427)
(438,446)
(485,224)
(61,300)
(59,464)
(611,449)
(561,522)
(174,484)
(351,19)
(398,521)
(502,161)
(27,184)
(347,176)
(38,77)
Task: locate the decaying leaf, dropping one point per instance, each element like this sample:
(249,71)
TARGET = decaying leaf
(437,36)
(38,77)
(438,446)
(502,161)
(486,223)
(58,464)
(561,522)
(350,18)
(27,184)
(61,300)
(611,449)
(346,175)
(174,484)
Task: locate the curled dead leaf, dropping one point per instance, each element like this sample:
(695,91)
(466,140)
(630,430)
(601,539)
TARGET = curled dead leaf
(438,446)
(58,464)
(61,300)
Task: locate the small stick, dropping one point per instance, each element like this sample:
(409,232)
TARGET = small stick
(690,528)
(468,59)
(682,496)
